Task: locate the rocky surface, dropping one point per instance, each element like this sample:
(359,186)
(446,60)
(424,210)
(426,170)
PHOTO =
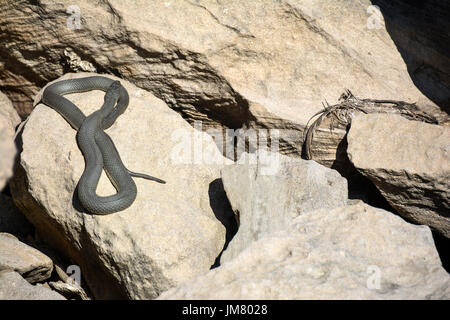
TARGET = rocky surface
(9,119)
(325,135)
(14,287)
(227,64)
(30,263)
(268,190)
(350,252)
(169,235)
(69,289)
(7,111)
(409,162)
(197,71)
(420,32)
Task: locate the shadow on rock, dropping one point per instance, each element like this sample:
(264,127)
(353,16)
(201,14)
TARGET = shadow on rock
(223,212)
(419,29)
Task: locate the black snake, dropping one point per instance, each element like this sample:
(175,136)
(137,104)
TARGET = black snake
(97,147)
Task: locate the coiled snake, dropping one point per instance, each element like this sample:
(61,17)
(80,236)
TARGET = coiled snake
(97,147)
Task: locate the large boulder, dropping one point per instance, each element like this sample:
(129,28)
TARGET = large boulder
(268,190)
(9,119)
(409,162)
(169,235)
(231,64)
(30,263)
(350,252)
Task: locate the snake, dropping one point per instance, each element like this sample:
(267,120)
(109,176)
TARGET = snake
(96,146)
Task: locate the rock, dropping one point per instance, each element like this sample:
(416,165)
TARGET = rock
(227,64)
(409,162)
(14,287)
(9,119)
(11,219)
(30,263)
(420,32)
(325,136)
(269,190)
(169,235)
(69,290)
(351,252)
(68,286)
(7,111)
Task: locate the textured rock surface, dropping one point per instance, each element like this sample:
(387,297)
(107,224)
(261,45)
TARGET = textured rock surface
(170,233)
(30,263)
(69,290)
(325,137)
(7,111)
(420,32)
(269,190)
(14,287)
(229,63)
(353,252)
(9,119)
(409,162)
(11,219)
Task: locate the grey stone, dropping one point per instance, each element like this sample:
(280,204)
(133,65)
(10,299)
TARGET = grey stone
(170,233)
(9,119)
(30,263)
(350,252)
(265,65)
(269,190)
(409,162)
(14,287)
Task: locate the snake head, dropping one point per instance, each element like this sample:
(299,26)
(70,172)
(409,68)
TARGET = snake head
(113,92)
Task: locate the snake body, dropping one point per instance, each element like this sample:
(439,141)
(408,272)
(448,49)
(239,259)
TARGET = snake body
(97,147)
